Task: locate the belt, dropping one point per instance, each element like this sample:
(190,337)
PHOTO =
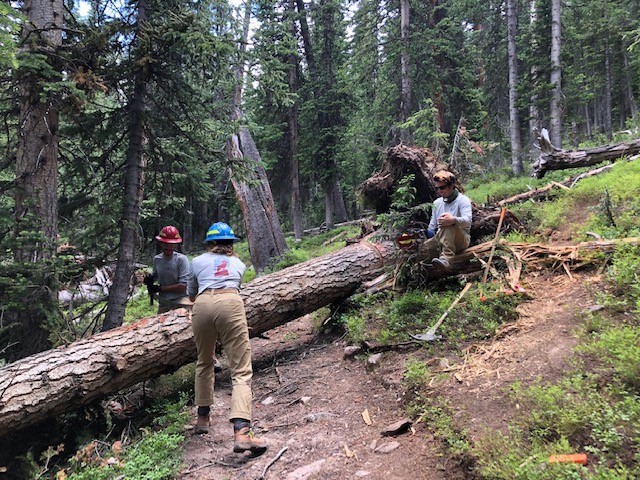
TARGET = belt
(215,291)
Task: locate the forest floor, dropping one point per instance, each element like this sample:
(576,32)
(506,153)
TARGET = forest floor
(309,399)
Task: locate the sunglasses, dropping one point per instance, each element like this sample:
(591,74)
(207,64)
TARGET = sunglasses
(442,187)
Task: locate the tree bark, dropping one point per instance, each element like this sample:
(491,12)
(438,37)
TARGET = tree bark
(306,38)
(133,190)
(514,117)
(629,96)
(405,82)
(262,225)
(608,127)
(292,119)
(36,197)
(63,379)
(339,208)
(555,109)
(264,232)
(534,110)
(552,158)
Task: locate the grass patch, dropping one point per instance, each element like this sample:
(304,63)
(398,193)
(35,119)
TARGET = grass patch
(154,455)
(139,307)
(496,186)
(594,408)
(387,318)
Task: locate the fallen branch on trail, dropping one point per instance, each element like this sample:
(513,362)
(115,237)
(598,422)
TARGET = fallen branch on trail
(554,158)
(516,256)
(66,378)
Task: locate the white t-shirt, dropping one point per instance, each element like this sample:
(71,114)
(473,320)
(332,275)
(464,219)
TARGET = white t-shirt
(212,270)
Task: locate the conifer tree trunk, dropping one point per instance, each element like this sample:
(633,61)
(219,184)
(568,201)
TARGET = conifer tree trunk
(264,233)
(340,210)
(629,96)
(324,82)
(292,119)
(514,117)
(535,124)
(405,93)
(555,109)
(133,190)
(262,225)
(36,200)
(608,128)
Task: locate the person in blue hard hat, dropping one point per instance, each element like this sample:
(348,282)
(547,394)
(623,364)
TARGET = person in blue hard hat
(218,313)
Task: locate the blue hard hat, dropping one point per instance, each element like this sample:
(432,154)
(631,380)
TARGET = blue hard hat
(220,231)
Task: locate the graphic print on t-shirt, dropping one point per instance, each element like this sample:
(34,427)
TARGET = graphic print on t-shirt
(221,269)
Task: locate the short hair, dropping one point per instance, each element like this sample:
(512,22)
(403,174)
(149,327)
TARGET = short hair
(445,176)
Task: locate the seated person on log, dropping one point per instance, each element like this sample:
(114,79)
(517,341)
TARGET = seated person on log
(449,230)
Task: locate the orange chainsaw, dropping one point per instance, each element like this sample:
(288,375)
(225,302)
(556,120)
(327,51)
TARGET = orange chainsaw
(409,239)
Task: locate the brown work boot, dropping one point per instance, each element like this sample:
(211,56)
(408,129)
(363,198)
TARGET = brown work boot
(245,440)
(202,425)
(441,264)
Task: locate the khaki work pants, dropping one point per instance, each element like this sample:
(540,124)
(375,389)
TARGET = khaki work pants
(447,242)
(221,315)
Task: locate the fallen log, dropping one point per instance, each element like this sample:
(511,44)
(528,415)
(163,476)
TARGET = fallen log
(554,158)
(68,377)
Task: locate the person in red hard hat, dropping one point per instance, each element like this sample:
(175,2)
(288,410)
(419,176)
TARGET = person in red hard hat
(171,271)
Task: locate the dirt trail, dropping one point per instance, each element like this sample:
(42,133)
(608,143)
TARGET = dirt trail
(309,399)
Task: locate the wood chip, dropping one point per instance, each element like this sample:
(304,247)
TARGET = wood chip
(366,417)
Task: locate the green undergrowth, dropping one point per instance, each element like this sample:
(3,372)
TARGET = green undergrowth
(314,246)
(493,187)
(152,452)
(594,408)
(390,318)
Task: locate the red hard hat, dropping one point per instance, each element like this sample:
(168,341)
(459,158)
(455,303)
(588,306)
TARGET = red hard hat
(169,234)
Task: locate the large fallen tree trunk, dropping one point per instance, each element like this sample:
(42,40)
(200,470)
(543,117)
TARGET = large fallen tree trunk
(554,158)
(66,378)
